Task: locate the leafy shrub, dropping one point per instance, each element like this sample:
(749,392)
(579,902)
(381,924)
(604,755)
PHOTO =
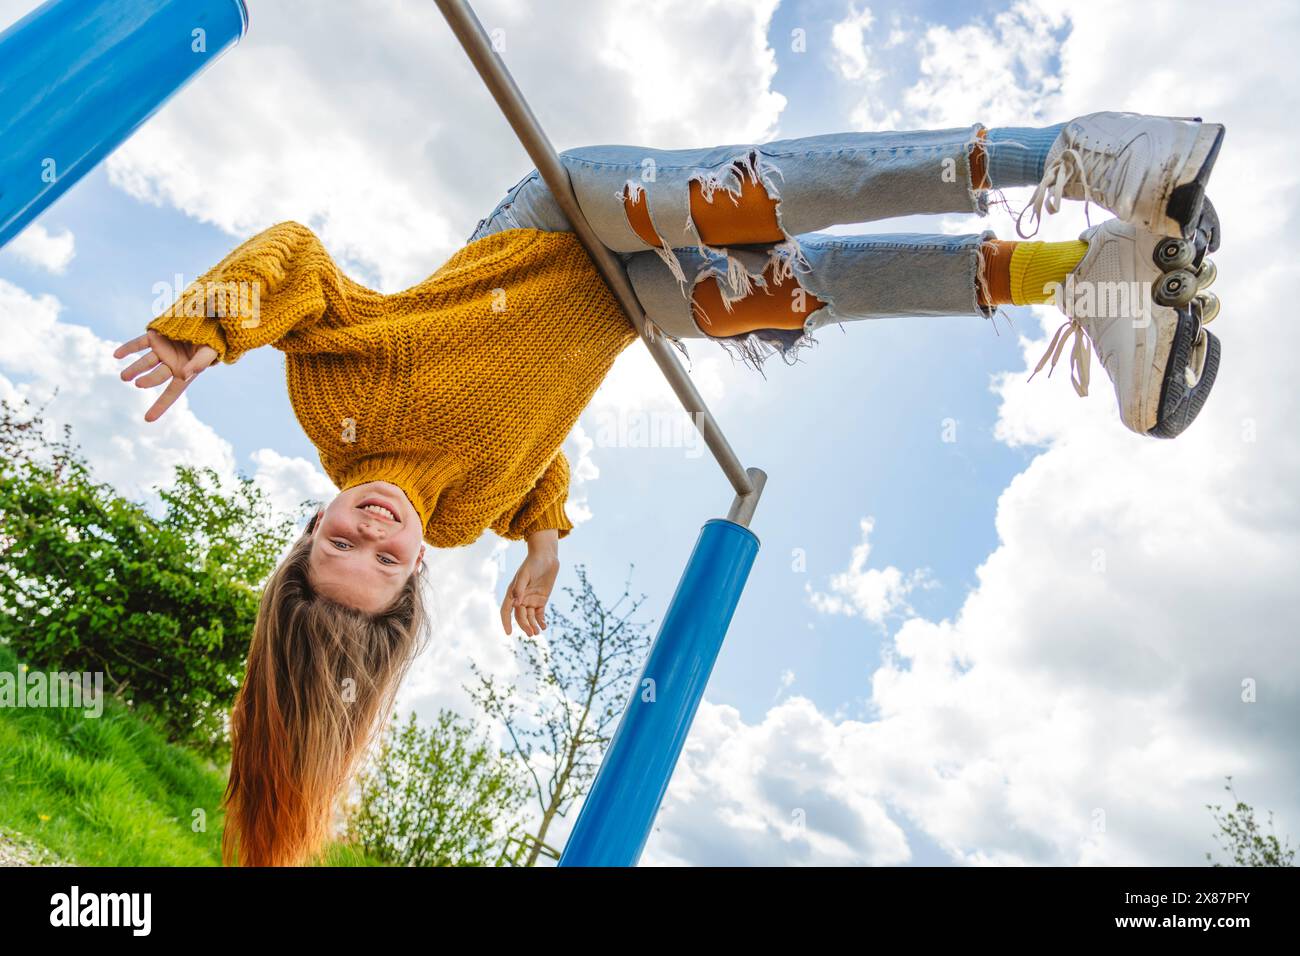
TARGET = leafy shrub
(434,797)
(163,607)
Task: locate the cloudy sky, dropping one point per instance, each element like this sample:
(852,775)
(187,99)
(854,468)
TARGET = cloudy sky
(1045,642)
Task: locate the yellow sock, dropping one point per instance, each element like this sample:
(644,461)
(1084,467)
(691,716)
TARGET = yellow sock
(1037,264)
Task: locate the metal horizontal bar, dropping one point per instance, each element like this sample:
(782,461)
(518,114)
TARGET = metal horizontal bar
(469,31)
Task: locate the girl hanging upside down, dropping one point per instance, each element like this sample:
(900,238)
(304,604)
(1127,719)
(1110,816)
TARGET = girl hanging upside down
(439,411)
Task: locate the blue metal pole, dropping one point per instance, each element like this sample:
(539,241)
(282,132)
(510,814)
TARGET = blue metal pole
(77,77)
(619,812)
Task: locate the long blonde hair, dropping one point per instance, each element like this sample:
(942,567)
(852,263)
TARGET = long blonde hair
(320,676)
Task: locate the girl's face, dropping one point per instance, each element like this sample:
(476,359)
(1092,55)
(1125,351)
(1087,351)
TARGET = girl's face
(365,545)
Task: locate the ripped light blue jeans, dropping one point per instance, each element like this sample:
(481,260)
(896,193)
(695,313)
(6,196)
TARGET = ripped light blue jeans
(817,181)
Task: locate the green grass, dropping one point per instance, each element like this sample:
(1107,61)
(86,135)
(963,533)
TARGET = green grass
(111,791)
(105,791)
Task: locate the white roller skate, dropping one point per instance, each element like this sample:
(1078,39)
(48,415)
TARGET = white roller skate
(1147,170)
(1141,301)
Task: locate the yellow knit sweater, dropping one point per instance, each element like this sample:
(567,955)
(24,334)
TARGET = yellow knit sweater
(459,390)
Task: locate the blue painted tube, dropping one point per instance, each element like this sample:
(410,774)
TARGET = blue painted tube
(77,77)
(617,816)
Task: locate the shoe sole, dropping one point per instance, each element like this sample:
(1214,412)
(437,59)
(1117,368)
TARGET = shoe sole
(1187,200)
(1179,402)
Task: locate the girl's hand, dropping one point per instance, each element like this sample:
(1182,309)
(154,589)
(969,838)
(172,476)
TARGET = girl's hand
(164,359)
(531,587)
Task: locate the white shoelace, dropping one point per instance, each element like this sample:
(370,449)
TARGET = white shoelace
(1048,195)
(1080,354)
(1056,176)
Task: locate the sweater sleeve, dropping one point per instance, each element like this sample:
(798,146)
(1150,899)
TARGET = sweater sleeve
(272,286)
(543,507)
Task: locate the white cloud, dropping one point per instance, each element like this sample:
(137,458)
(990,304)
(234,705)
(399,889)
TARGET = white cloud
(38,247)
(849,42)
(288,482)
(857,60)
(783,791)
(666,58)
(870,593)
(997,73)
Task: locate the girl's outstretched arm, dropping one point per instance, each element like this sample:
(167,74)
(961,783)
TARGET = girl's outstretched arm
(280,281)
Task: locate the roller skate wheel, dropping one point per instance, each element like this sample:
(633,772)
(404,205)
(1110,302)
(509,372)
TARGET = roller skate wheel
(1171,254)
(1208,309)
(1206,273)
(1175,288)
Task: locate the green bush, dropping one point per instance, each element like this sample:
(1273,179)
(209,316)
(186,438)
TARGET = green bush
(163,607)
(435,797)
